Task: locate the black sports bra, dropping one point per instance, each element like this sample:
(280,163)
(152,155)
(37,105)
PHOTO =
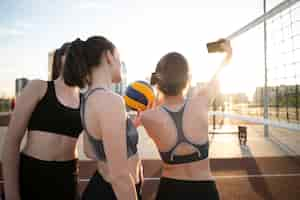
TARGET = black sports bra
(51,116)
(97,145)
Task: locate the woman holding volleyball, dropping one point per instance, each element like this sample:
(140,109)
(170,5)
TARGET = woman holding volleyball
(179,128)
(110,135)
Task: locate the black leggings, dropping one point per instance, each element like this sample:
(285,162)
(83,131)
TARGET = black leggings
(48,180)
(173,189)
(98,188)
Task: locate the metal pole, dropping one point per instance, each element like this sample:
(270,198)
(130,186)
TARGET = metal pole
(266,97)
(297,102)
(214,116)
(287,102)
(277,103)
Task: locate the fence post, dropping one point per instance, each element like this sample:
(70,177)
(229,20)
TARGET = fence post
(266,98)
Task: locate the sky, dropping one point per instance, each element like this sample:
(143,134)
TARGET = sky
(143,31)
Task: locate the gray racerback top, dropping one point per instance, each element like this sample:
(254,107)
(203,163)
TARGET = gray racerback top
(97,145)
(169,157)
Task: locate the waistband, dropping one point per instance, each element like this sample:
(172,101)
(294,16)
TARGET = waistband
(26,160)
(100,177)
(173,180)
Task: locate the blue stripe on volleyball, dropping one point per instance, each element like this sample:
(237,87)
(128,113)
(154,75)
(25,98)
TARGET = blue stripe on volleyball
(133,94)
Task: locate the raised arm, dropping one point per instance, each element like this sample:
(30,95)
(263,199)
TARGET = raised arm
(228,54)
(25,105)
(211,87)
(112,120)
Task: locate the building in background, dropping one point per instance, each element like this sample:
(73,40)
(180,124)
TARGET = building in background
(20,84)
(120,88)
(50,63)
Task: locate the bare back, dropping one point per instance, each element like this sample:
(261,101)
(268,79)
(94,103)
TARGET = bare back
(99,117)
(162,130)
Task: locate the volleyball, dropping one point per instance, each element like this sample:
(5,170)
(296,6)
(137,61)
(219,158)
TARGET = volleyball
(139,95)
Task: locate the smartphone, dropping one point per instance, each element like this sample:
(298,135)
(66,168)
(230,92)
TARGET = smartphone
(214,47)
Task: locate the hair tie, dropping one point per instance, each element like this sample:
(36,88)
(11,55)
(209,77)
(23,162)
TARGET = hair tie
(79,42)
(154,78)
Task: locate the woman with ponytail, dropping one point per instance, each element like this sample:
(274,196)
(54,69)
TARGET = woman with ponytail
(46,168)
(179,128)
(109,135)
(59,60)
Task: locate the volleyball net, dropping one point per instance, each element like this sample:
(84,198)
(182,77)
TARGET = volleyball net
(264,76)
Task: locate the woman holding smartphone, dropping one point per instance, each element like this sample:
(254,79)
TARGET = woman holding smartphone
(179,129)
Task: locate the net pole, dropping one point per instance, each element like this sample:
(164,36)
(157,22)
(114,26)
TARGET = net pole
(297,102)
(266,96)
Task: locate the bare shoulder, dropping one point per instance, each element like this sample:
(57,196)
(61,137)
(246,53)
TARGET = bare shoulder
(200,91)
(153,121)
(111,97)
(37,84)
(207,91)
(150,115)
(200,96)
(107,100)
(35,88)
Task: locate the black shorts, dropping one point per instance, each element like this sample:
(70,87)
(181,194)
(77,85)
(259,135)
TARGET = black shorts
(173,189)
(48,180)
(98,188)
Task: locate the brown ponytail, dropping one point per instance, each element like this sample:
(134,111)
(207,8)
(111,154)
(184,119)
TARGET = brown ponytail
(57,62)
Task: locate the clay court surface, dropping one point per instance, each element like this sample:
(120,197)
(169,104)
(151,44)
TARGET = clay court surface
(237,178)
(265,168)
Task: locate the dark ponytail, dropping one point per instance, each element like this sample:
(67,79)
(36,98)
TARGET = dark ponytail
(82,57)
(57,62)
(75,66)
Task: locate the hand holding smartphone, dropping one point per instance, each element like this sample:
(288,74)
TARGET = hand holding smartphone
(217,46)
(221,46)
